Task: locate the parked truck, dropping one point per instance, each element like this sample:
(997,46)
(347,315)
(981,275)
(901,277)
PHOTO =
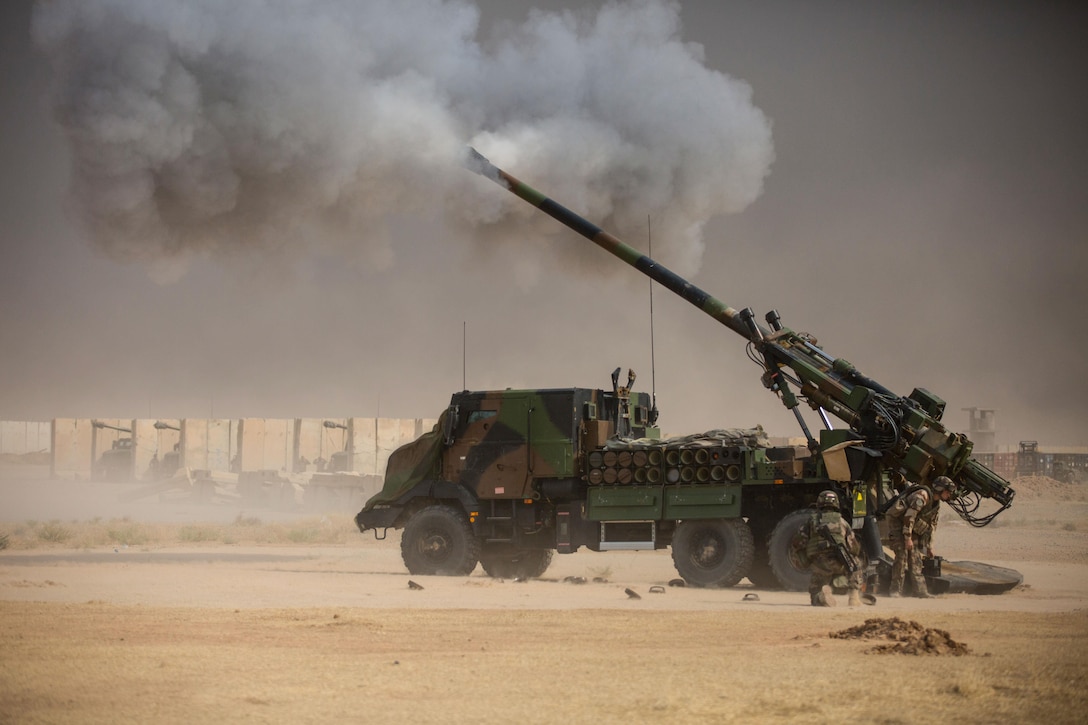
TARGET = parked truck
(506,478)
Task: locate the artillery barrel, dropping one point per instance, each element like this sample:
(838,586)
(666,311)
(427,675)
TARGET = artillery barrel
(712,306)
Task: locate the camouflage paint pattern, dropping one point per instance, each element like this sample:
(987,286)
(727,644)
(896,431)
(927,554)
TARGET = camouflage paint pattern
(505,441)
(824,567)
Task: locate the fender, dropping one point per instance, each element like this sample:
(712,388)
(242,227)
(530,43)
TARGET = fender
(386,516)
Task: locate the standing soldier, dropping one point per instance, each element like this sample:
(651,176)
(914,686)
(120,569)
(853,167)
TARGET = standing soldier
(831,550)
(912,520)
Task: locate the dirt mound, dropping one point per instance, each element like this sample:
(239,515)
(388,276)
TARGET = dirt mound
(909,638)
(1044,487)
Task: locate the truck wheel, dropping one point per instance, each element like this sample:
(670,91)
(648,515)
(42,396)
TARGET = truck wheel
(438,540)
(713,553)
(761,574)
(784,563)
(506,562)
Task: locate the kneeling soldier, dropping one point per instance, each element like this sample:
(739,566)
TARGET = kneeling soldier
(828,544)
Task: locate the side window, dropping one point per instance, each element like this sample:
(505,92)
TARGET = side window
(478,415)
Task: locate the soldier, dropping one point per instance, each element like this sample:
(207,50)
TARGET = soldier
(912,520)
(829,546)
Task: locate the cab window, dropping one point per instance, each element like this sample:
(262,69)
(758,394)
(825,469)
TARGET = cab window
(478,415)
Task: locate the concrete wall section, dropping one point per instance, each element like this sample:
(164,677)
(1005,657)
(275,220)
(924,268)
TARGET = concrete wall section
(249,444)
(308,438)
(72,442)
(364,446)
(155,442)
(266,444)
(315,442)
(208,445)
(19,437)
(375,439)
(392,434)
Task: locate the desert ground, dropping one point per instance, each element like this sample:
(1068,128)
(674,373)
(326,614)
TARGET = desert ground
(165,610)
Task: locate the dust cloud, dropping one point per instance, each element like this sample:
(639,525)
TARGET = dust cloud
(204,127)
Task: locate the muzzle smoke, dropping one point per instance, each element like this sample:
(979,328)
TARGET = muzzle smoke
(205,127)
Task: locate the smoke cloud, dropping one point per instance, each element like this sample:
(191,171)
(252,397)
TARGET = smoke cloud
(210,128)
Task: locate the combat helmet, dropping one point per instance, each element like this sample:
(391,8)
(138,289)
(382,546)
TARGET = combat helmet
(827,500)
(944,483)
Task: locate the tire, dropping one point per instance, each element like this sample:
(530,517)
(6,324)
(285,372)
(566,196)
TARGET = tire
(713,553)
(761,574)
(506,562)
(438,540)
(791,575)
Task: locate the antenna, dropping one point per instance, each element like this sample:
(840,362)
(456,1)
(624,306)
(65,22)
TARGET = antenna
(464,354)
(653,364)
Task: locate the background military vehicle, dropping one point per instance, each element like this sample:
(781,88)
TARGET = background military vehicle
(508,477)
(115,464)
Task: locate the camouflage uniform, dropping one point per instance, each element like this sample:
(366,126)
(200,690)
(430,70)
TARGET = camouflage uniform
(914,516)
(823,563)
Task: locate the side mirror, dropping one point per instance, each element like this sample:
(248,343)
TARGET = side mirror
(450,425)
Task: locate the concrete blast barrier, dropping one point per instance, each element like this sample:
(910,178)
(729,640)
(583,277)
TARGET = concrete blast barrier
(266,444)
(392,434)
(18,438)
(374,439)
(208,444)
(73,448)
(153,448)
(364,445)
(113,448)
(317,440)
(156,448)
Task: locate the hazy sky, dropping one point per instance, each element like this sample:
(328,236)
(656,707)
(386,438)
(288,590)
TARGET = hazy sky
(207,210)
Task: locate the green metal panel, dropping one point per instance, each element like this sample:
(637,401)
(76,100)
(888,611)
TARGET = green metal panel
(858,496)
(702,502)
(830,438)
(626,503)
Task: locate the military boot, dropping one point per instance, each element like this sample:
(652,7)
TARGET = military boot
(921,590)
(855,599)
(826,597)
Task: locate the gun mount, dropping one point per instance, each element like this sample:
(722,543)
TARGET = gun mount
(901,436)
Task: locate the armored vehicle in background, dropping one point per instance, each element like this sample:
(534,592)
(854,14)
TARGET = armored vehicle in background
(115,464)
(556,469)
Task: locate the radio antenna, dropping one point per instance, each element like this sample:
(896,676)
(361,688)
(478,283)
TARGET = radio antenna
(653,364)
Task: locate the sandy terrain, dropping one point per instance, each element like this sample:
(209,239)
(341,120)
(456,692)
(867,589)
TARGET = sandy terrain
(180,629)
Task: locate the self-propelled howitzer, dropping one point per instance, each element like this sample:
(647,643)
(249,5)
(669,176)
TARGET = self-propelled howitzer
(902,437)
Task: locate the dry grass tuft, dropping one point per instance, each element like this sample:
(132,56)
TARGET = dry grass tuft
(53,532)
